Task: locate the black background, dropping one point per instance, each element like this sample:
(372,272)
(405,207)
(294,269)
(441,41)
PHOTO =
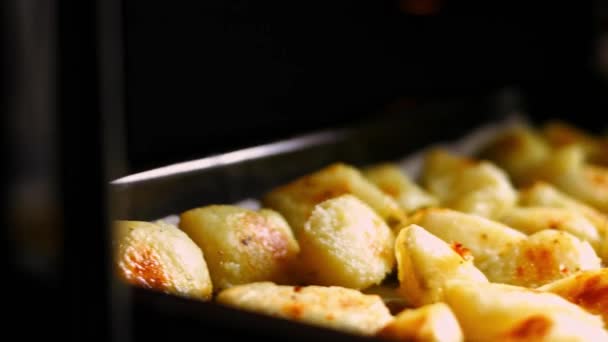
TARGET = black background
(210,76)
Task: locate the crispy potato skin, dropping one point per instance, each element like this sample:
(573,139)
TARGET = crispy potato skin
(542,194)
(242,245)
(533,219)
(345,243)
(498,312)
(161,257)
(434,322)
(333,307)
(395,183)
(470,186)
(296,200)
(588,289)
(425,263)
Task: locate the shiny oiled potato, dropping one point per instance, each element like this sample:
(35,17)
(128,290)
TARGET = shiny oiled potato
(486,239)
(588,289)
(543,194)
(333,307)
(477,187)
(296,200)
(498,312)
(543,257)
(433,322)
(160,256)
(242,245)
(345,243)
(425,263)
(517,151)
(533,219)
(395,183)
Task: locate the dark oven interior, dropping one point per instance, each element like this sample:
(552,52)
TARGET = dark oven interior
(96,90)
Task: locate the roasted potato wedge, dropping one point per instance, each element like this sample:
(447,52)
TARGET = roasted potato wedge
(588,289)
(560,134)
(517,151)
(241,245)
(567,170)
(430,323)
(296,200)
(476,187)
(533,219)
(395,183)
(498,312)
(425,263)
(484,238)
(543,194)
(345,243)
(159,256)
(506,255)
(543,257)
(332,307)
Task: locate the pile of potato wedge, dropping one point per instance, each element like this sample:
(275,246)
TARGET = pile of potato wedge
(510,244)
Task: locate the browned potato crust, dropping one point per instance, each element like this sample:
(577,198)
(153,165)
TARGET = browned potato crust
(159,256)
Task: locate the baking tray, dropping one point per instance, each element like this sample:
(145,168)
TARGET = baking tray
(248,173)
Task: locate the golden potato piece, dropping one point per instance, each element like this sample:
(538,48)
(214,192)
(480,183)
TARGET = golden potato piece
(161,257)
(332,307)
(544,257)
(297,199)
(486,239)
(506,255)
(434,322)
(588,289)
(533,219)
(517,151)
(476,187)
(560,134)
(345,243)
(545,195)
(567,171)
(425,264)
(395,183)
(242,245)
(498,312)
